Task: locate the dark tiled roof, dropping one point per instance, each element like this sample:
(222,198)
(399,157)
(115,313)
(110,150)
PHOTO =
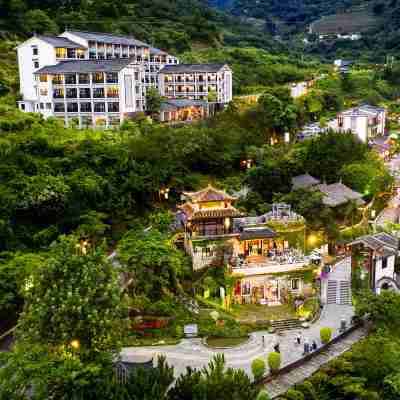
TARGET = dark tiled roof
(174,104)
(337,194)
(109,38)
(257,233)
(84,66)
(385,242)
(60,42)
(191,68)
(304,181)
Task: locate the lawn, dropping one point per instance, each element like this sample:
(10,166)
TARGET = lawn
(251,313)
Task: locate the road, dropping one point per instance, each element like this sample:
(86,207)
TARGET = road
(192,352)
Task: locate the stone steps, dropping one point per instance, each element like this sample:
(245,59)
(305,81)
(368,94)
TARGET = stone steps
(286,324)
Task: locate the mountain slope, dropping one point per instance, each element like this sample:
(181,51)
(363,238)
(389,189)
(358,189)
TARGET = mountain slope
(173,25)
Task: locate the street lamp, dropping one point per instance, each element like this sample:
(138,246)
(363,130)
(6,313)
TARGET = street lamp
(164,194)
(75,344)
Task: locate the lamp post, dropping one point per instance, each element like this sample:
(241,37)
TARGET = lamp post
(164,193)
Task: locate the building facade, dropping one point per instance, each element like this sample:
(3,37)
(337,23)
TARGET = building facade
(45,51)
(48,64)
(268,264)
(367,122)
(212,82)
(90,93)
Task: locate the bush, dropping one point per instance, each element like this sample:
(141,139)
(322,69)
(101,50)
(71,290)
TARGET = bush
(326,335)
(263,395)
(274,361)
(258,368)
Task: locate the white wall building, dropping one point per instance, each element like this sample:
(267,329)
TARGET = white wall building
(90,93)
(365,121)
(42,51)
(196,81)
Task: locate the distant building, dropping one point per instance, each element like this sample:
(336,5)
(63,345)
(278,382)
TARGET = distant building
(197,82)
(343,66)
(374,259)
(310,131)
(365,121)
(99,79)
(299,89)
(176,110)
(266,262)
(335,194)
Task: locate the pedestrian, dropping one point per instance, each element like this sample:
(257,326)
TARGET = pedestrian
(314,345)
(298,339)
(276,348)
(263,340)
(306,347)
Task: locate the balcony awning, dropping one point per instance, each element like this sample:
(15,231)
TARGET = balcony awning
(258,233)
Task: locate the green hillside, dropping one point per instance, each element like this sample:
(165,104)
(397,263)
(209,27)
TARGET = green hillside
(174,25)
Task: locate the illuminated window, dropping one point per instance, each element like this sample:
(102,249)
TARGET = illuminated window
(43,78)
(61,52)
(43,92)
(98,77)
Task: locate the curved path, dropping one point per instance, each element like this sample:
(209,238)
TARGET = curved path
(191,352)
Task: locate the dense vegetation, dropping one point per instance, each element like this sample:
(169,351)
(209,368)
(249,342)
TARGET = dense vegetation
(174,25)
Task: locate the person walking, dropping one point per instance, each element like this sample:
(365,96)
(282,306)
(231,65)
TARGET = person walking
(277,348)
(306,347)
(314,345)
(298,339)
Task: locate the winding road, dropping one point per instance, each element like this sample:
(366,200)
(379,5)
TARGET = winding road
(192,352)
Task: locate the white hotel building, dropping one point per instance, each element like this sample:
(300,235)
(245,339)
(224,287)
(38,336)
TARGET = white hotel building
(98,79)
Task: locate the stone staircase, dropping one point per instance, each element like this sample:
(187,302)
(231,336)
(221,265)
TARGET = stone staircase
(286,324)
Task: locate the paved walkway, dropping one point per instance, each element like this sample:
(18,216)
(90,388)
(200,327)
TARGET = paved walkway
(284,382)
(191,352)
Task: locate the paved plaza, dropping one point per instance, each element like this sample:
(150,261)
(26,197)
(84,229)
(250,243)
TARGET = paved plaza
(192,352)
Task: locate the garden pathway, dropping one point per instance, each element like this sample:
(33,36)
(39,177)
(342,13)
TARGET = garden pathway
(192,352)
(282,383)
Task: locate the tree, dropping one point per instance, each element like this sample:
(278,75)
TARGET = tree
(258,368)
(214,382)
(37,21)
(153,264)
(274,361)
(263,395)
(153,100)
(74,301)
(326,335)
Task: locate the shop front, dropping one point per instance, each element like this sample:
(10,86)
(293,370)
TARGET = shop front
(264,290)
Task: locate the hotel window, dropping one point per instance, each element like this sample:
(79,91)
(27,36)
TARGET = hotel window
(113,107)
(384,262)
(137,89)
(36,64)
(86,107)
(101,121)
(44,92)
(59,107)
(84,79)
(48,106)
(58,93)
(72,107)
(98,77)
(42,106)
(98,93)
(295,284)
(136,76)
(112,77)
(70,79)
(113,92)
(72,93)
(57,79)
(99,107)
(71,53)
(137,104)
(84,93)
(35,50)
(61,52)
(43,78)
(80,53)
(22,106)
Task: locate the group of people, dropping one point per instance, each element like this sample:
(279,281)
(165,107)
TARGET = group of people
(309,347)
